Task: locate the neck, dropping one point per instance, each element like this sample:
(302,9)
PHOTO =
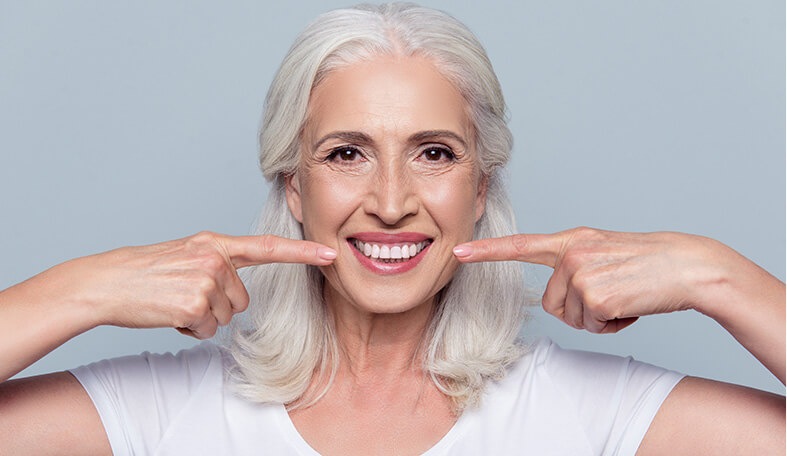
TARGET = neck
(375,346)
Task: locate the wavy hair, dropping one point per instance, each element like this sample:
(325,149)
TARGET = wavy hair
(286,336)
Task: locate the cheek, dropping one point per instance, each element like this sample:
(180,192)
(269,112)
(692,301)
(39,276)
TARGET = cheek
(453,205)
(327,203)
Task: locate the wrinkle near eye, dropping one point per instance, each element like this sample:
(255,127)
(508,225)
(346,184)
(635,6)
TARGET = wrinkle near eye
(343,159)
(345,154)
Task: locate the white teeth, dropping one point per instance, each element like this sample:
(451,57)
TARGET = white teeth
(386,252)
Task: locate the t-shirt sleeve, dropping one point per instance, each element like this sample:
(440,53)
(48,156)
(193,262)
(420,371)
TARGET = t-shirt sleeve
(138,397)
(615,398)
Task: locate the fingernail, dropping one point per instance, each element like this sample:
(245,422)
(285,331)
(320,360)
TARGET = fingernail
(326,254)
(463,251)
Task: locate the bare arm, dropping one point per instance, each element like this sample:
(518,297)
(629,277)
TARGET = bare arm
(603,281)
(190,284)
(49,415)
(707,417)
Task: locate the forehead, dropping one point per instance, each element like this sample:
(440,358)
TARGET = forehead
(387,95)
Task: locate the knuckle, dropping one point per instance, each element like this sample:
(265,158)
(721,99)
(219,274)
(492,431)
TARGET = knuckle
(267,245)
(242,303)
(224,319)
(202,238)
(552,307)
(588,295)
(521,244)
(203,333)
(570,318)
(205,286)
(594,326)
(583,232)
(209,328)
(583,283)
(212,264)
(195,310)
(572,260)
(549,303)
(596,301)
(585,236)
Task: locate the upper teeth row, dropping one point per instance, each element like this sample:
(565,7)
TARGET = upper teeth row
(390,252)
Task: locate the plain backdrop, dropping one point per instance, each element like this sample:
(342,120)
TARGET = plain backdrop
(126,123)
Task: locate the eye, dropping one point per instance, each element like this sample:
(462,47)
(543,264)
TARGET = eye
(344,154)
(435,154)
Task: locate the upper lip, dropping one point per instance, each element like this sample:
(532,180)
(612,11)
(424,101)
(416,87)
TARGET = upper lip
(390,238)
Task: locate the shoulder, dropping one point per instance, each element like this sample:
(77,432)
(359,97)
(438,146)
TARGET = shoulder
(165,380)
(576,372)
(139,397)
(583,402)
(187,368)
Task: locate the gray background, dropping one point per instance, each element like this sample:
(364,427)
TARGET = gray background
(125,123)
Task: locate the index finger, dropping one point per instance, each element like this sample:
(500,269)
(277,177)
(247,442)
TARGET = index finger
(531,248)
(263,249)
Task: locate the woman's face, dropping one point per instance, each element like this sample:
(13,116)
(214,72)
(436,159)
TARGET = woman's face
(389,178)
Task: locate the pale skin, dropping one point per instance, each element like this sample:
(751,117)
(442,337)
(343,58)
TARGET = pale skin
(396,177)
(389,148)
(598,286)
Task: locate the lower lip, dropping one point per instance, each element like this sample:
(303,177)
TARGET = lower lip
(378,267)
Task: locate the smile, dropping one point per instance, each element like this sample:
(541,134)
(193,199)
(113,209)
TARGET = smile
(384,253)
(390,253)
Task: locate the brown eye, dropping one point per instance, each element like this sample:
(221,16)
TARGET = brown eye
(437,154)
(344,154)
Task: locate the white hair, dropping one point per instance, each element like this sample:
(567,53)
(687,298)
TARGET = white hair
(287,337)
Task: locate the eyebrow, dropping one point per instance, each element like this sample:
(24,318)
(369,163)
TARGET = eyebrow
(436,134)
(358,137)
(349,136)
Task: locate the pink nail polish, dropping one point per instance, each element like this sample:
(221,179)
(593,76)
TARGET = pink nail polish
(326,254)
(463,251)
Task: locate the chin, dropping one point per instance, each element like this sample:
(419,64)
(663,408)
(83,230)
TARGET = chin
(379,298)
(390,308)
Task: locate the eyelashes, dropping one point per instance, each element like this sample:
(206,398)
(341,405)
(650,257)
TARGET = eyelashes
(436,153)
(432,154)
(343,154)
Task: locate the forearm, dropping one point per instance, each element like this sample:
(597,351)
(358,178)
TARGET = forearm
(37,316)
(750,304)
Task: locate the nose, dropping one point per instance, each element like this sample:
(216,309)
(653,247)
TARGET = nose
(392,196)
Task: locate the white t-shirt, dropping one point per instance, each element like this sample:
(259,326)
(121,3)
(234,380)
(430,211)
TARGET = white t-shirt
(552,402)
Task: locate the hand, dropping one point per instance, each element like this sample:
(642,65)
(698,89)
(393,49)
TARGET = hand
(603,280)
(190,284)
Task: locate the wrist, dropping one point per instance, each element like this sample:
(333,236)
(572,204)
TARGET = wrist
(713,277)
(58,296)
(34,320)
(729,286)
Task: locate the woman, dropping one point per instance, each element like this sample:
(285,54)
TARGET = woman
(384,136)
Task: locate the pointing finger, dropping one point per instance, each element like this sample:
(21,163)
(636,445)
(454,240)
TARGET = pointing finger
(252,250)
(532,248)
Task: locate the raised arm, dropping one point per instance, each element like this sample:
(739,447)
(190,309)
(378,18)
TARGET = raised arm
(603,281)
(190,284)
